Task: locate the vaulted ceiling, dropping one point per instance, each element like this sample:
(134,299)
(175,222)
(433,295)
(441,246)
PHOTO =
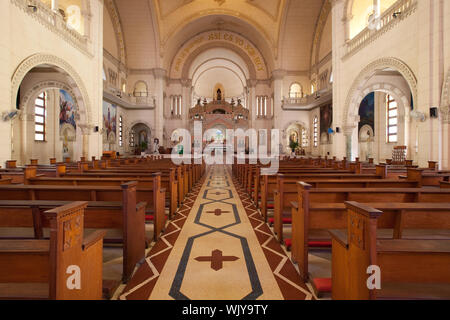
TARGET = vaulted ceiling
(152,31)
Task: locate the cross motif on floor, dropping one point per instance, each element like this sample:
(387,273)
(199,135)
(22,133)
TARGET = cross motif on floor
(218,212)
(216,259)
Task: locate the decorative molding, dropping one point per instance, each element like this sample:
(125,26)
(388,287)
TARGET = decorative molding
(445,100)
(120,36)
(352,102)
(42,58)
(320,25)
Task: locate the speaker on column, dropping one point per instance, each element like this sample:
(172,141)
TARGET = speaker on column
(338,129)
(96,129)
(433,112)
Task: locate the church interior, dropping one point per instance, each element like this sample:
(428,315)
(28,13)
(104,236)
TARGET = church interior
(138,138)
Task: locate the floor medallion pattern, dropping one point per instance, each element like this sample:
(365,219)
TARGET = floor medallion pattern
(216,248)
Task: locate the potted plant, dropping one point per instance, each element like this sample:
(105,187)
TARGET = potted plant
(293,145)
(144,146)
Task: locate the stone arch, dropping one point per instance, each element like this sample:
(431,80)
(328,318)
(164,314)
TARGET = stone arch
(356,91)
(240,52)
(117,24)
(140,82)
(39,59)
(31,94)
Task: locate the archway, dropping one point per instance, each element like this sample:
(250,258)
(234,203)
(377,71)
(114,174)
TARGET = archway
(392,77)
(141,139)
(296,133)
(53,117)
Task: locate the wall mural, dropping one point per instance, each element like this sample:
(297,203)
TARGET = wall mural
(367,112)
(67,122)
(326,121)
(68,110)
(109,121)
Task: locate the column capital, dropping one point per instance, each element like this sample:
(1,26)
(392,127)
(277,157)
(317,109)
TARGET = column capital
(278,74)
(251,83)
(186,83)
(348,130)
(159,73)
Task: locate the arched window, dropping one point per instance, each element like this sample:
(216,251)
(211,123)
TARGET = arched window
(304,138)
(392,119)
(313,88)
(316,131)
(295,91)
(140,89)
(120,132)
(132,138)
(40,114)
(104,75)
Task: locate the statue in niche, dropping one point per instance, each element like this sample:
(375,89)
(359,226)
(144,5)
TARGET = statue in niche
(156,146)
(219,95)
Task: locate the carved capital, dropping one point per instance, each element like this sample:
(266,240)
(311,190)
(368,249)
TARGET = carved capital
(251,83)
(160,73)
(187,83)
(278,74)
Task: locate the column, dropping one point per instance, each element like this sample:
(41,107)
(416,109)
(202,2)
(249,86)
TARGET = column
(251,102)
(277,78)
(160,83)
(339,36)
(55,5)
(186,100)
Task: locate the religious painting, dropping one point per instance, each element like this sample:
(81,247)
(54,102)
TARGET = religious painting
(367,112)
(68,110)
(109,120)
(326,122)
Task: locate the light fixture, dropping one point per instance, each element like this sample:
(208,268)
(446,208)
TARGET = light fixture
(32,8)
(396,14)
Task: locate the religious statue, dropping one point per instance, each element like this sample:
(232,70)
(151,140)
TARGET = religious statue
(156,146)
(219,95)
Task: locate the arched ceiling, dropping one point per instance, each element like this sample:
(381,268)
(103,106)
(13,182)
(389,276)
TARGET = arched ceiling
(282,30)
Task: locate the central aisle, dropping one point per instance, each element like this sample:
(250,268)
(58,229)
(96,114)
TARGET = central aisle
(216,249)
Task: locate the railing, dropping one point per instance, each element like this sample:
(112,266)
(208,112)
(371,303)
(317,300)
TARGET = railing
(128,100)
(308,101)
(53,21)
(397,12)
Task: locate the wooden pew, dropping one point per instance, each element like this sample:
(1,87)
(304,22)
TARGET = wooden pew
(168,182)
(270,183)
(127,215)
(148,188)
(43,269)
(409,269)
(98,215)
(445,184)
(5,180)
(149,192)
(287,191)
(324,209)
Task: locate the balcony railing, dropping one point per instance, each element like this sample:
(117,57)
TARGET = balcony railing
(397,12)
(53,21)
(127,100)
(307,102)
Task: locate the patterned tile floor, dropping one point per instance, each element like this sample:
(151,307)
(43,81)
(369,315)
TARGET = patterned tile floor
(217,248)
